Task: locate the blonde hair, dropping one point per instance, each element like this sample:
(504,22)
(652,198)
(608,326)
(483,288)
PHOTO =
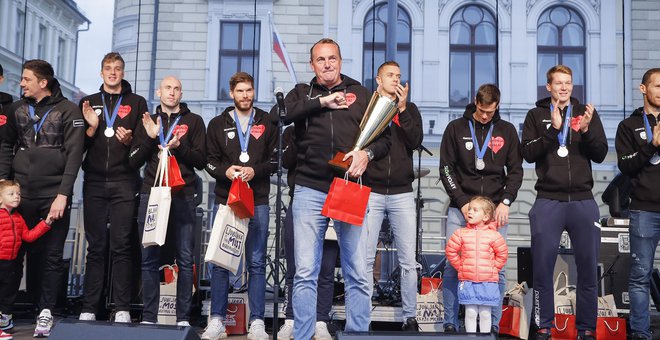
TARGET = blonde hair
(486,204)
(6,183)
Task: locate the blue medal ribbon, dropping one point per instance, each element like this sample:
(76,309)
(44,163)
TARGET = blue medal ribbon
(165,140)
(110,120)
(244,138)
(38,125)
(563,134)
(647,128)
(481,151)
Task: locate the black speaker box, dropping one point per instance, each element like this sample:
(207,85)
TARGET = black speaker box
(71,329)
(415,336)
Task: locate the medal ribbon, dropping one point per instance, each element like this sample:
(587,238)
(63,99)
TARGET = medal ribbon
(244,138)
(647,127)
(165,140)
(561,137)
(110,121)
(38,125)
(481,152)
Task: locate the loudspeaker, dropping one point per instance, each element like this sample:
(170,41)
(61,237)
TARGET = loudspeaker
(415,336)
(71,329)
(565,263)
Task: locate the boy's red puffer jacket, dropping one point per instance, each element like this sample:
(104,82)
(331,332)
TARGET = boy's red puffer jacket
(13,231)
(477,253)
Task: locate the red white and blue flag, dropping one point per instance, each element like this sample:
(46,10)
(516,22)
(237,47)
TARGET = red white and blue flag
(280,50)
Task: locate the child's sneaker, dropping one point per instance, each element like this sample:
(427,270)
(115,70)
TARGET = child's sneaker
(6,322)
(5,336)
(44,324)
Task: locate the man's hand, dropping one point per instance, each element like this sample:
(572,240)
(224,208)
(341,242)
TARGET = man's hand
(656,136)
(335,101)
(57,207)
(247,173)
(174,142)
(91,118)
(153,129)
(586,118)
(124,136)
(49,220)
(464,210)
(231,171)
(555,117)
(402,94)
(358,164)
(502,215)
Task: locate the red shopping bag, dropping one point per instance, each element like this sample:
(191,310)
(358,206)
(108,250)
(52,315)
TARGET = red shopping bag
(175,180)
(564,327)
(510,321)
(346,201)
(241,198)
(430,284)
(610,328)
(237,314)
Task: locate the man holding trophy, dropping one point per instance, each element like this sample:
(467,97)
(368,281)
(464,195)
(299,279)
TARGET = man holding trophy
(391,180)
(327,113)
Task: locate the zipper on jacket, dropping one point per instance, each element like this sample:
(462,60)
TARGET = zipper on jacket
(568,158)
(13,245)
(107,158)
(389,173)
(476,257)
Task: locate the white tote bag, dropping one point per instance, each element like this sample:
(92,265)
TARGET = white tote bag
(227,241)
(158,208)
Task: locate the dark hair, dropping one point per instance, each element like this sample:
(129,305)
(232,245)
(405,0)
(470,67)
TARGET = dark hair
(487,94)
(240,77)
(558,69)
(388,63)
(646,78)
(42,70)
(113,56)
(324,41)
(2,72)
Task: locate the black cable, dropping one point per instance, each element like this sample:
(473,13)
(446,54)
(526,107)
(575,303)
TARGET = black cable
(25,16)
(254,38)
(137,46)
(373,43)
(623,23)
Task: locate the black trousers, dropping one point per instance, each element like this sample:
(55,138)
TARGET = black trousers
(113,202)
(326,280)
(10,279)
(548,219)
(45,266)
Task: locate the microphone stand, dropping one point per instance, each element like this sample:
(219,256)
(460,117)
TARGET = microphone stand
(418,204)
(278,219)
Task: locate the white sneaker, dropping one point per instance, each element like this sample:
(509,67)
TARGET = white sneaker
(183,323)
(147,323)
(44,324)
(321,332)
(214,330)
(257,330)
(286,331)
(87,317)
(6,322)
(123,317)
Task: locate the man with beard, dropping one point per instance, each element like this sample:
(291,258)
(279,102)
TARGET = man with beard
(240,142)
(110,187)
(183,133)
(479,156)
(391,180)
(563,137)
(637,147)
(43,138)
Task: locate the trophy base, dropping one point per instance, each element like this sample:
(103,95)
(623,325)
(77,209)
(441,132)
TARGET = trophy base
(338,165)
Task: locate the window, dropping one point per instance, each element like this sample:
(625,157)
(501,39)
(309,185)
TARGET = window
(61,48)
(41,47)
(239,51)
(20,26)
(472,53)
(374,45)
(560,40)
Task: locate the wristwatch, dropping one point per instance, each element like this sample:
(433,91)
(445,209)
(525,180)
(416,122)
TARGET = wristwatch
(506,202)
(370,154)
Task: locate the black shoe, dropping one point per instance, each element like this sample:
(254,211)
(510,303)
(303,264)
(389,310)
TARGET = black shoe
(586,335)
(543,334)
(494,330)
(410,325)
(638,336)
(450,329)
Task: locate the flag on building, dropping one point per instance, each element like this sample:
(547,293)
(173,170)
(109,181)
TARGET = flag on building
(280,50)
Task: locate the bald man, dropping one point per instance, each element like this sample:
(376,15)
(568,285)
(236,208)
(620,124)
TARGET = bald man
(183,132)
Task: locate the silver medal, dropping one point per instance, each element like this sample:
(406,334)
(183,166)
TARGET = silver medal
(244,157)
(480,164)
(562,151)
(109,132)
(655,159)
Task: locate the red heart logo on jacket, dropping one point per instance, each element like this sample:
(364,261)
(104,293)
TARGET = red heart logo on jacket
(575,123)
(496,143)
(3,120)
(123,111)
(180,130)
(257,130)
(350,98)
(395,120)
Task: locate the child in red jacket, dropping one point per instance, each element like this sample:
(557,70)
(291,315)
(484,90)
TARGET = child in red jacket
(478,252)
(13,232)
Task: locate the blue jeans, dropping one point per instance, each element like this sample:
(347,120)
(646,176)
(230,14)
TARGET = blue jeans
(644,237)
(181,222)
(255,257)
(400,210)
(456,220)
(309,227)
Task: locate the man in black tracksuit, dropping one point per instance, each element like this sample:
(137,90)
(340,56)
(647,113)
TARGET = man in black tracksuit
(563,137)
(391,196)
(5,98)
(110,187)
(499,179)
(44,137)
(187,143)
(637,147)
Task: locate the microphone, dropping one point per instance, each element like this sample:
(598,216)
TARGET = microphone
(279,96)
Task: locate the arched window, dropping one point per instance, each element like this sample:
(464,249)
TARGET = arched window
(560,40)
(376,44)
(472,53)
